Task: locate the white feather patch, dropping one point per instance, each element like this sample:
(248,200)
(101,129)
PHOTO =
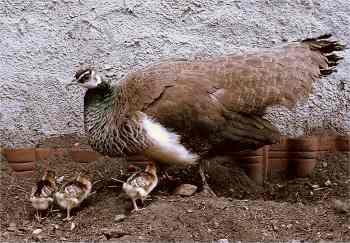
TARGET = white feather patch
(166,145)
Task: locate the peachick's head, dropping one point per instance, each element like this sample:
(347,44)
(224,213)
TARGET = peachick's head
(87,78)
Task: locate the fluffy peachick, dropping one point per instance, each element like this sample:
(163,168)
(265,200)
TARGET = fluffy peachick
(139,185)
(42,193)
(73,193)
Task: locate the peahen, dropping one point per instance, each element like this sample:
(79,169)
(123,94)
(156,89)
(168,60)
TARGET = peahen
(177,111)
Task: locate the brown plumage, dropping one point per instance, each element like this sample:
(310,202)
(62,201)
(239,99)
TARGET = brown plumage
(42,193)
(73,193)
(140,184)
(215,104)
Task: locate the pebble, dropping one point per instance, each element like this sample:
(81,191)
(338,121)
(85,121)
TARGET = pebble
(60,179)
(324,164)
(185,190)
(72,226)
(223,241)
(37,231)
(119,217)
(56,226)
(328,183)
(315,186)
(341,207)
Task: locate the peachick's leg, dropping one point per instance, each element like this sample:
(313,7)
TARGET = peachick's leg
(206,187)
(68,214)
(135,205)
(37,216)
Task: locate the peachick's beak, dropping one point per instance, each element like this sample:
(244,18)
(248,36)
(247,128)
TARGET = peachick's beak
(73,82)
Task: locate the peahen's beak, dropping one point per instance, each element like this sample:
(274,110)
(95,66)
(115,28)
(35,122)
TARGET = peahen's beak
(73,82)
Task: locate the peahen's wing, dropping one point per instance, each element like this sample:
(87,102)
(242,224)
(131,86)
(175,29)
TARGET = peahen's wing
(227,95)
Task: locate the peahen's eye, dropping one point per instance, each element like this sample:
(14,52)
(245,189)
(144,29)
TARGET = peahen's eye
(84,77)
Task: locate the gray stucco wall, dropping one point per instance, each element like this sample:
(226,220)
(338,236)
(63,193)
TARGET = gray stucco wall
(44,41)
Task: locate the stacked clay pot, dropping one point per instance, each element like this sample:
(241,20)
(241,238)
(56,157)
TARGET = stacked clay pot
(21,160)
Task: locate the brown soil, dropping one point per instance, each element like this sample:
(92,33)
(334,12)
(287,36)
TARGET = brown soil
(284,208)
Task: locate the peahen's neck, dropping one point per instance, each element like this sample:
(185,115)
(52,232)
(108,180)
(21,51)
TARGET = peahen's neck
(108,125)
(98,113)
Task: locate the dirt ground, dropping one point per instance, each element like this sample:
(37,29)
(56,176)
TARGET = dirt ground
(283,208)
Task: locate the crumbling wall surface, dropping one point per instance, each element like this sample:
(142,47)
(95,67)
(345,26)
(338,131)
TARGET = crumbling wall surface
(44,41)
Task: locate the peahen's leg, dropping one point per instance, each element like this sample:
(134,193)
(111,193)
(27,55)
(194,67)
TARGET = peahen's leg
(206,187)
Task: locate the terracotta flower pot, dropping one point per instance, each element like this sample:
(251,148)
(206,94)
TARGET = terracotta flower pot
(278,165)
(23,166)
(254,172)
(343,143)
(28,173)
(20,155)
(282,145)
(43,153)
(302,167)
(21,160)
(258,152)
(326,143)
(303,155)
(84,156)
(278,154)
(250,159)
(303,144)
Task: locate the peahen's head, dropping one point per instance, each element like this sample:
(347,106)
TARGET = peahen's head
(87,78)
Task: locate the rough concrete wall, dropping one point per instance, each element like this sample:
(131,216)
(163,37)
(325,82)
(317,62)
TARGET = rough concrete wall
(43,41)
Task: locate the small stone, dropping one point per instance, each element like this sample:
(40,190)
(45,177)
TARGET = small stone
(341,207)
(119,217)
(289,226)
(189,211)
(62,238)
(76,145)
(223,241)
(60,179)
(311,193)
(328,183)
(37,231)
(185,190)
(315,186)
(324,164)
(72,226)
